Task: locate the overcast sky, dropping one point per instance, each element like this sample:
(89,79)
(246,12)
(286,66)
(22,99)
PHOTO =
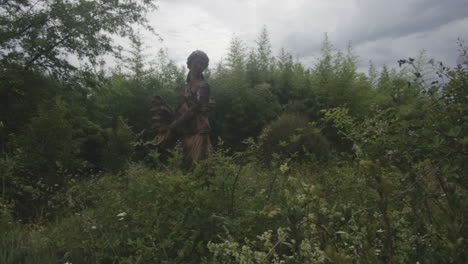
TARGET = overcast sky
(380,30)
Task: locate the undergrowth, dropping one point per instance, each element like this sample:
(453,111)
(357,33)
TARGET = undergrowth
(229,211)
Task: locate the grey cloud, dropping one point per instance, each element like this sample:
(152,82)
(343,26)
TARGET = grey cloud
(439,43)
(374,20)
(301,44)
(383,31)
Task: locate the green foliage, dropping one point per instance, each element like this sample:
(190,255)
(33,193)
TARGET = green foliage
(22,92)
(225,212)
(48,141)
(423,144)
(119,148)
(40,35)
(72,142)
(292,137)
(40,157)
(149,216)
(338,83)
(236,56)
(241,110)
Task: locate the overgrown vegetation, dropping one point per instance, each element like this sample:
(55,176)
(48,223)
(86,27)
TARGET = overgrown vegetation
(312,165)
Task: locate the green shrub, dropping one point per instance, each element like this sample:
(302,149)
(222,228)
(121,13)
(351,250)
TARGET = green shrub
(119,148)
(41,157)
(48,144)
(292,136)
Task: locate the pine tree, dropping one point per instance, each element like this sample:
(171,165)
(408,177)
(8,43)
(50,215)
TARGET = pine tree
(324,73)
(264,55)
(373,74)
(253,71)
(136,61)
(284,77)
(236,55)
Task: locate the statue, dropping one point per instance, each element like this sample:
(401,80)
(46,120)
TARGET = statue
(188,122)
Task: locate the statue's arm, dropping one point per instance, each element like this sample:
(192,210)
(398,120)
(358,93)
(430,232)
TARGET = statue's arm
(204,98)
(202,106)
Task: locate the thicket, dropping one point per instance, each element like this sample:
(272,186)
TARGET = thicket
(320,164)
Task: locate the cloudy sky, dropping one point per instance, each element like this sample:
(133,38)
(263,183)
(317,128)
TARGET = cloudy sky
(380,30)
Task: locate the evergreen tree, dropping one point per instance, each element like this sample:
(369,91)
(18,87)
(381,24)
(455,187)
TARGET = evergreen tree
(324,73)
(253,70)
(264,54)
(136,60)
(283,77)
(236,55)
(373,74)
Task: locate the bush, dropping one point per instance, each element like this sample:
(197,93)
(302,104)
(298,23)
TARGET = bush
(41,158)
(119,148)
(292,136)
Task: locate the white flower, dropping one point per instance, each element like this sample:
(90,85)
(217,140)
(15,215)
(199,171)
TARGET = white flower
(122,214)
(93,227)
(380,230)
(340,232)
(284,167)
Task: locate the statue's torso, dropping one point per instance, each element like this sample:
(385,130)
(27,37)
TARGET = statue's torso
(191,95)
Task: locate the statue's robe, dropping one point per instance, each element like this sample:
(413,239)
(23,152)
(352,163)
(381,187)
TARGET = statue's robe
(188,122)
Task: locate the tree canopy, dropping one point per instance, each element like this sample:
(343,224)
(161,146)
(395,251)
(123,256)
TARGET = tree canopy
(46,33)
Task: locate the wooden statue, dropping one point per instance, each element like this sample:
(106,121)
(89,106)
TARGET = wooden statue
(188,122)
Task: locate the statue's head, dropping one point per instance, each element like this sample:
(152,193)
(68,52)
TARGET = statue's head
(198,57)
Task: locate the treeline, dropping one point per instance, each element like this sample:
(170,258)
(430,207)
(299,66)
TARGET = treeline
(88,120)
(254,87)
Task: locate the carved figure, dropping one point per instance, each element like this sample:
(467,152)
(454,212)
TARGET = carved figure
(188,122)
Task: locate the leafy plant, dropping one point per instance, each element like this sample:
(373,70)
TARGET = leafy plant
(292,136)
